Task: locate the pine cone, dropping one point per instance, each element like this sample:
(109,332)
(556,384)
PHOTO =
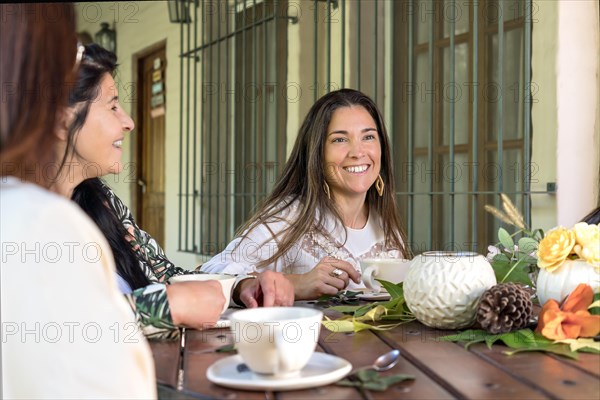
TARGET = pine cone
(503,308)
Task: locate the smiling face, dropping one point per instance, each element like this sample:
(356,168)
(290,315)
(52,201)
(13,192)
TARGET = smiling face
(352,152)
(98,143)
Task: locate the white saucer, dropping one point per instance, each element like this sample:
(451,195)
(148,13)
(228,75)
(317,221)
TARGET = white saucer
(374,296)
(322,369)
(222,323)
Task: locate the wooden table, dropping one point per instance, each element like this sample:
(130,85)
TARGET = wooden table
(442,369)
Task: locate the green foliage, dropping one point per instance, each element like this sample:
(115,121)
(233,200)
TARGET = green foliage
(516,262)
(228,348)
(342,297)
(521,340)
(595,306)
(372,380)
(361,316)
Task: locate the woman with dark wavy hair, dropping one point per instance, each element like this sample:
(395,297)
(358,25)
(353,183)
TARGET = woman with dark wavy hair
(333,205)
(91,148)
(61,309)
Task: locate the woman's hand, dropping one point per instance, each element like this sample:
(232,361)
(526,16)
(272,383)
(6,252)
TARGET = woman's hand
(328,277)
(195,304)
(268,289)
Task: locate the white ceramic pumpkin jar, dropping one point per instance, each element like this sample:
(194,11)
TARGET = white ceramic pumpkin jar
(442,289)
(560,283)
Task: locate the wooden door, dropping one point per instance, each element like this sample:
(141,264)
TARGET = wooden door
(150,142)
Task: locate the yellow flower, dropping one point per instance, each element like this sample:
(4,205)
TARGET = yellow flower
(588,243)
(555,248)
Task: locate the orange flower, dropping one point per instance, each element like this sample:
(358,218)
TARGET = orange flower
(573,321)
(579,299)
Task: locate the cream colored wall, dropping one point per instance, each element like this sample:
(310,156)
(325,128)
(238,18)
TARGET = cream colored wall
(577,109)
(565,112)
(543,114)
(138,26)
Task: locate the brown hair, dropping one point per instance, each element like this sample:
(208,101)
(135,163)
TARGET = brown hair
(38,48)
(303,177)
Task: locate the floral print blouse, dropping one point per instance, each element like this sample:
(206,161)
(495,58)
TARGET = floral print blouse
(149,303)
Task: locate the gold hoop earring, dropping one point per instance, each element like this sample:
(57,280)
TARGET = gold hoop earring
(326,190)
(379,185)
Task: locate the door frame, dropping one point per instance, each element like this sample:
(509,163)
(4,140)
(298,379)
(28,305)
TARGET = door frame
(137,113)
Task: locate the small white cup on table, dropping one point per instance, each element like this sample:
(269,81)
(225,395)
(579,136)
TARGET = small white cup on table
(388,269)
(276,341)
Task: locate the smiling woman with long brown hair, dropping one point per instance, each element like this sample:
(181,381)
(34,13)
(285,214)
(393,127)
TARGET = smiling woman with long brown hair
(333,205)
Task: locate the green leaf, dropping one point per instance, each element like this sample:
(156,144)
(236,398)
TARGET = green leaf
(559,349)
(226,349)
(506,239)
(346,309)
(366,375)
(500,258)
(521,340)
(594,308)
(586,345)
(362,310)
(470,337)
(538,234)
(512,272)
(390,380)
(527,259)
(525,338)
(395,290)
(528,245)
(372,380)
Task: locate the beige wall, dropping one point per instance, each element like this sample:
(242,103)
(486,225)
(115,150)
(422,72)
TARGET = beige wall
(578,120)
(543,114)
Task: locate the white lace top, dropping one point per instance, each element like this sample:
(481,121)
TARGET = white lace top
(261,244)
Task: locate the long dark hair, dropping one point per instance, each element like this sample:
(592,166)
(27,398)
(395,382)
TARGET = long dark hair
(304,174)
(91,194)
(37,64)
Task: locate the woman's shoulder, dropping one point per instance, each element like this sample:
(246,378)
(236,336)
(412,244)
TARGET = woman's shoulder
(287,210)
(29,201)
(31,213)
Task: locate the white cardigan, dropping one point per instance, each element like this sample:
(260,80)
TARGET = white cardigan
(67,332)
(260,244)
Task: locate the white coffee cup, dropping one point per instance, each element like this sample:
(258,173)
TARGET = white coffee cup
(226,282)
(388,269)
(276,341)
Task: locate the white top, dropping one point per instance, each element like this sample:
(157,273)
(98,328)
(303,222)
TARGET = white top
(260,244)
(67,332)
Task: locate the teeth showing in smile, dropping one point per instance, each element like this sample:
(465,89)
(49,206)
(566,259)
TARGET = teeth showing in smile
(118,143)
(357,169)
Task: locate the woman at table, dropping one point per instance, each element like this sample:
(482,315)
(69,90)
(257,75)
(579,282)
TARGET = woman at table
(66,330)
(333,204)
(91,147)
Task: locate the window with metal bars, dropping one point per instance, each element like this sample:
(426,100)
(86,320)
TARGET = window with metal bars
(464,127)
(232,121)
(452,79)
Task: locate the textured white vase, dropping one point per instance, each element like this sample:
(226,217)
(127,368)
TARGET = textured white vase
(442,289)
(559,284)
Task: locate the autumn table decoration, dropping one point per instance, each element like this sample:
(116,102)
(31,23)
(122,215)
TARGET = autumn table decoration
(566,330)
(572,320)
(514,257)
(566,258)
(504,307)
